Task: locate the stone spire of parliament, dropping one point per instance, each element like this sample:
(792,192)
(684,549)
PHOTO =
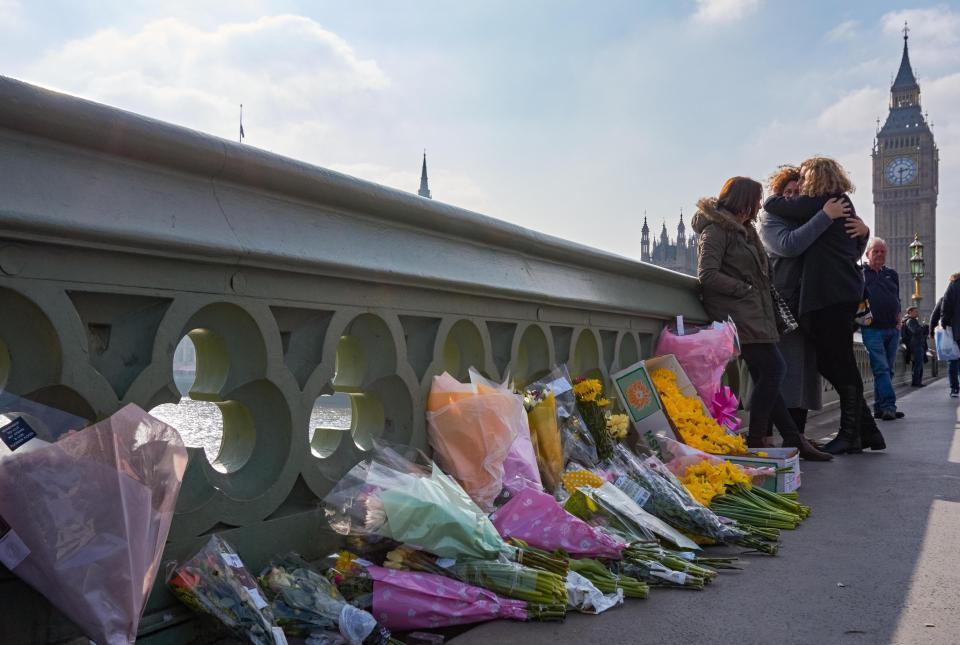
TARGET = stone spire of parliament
(906,183)
(424,186)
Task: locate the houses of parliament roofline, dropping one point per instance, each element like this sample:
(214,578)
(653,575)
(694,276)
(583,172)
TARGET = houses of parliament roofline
(679,254)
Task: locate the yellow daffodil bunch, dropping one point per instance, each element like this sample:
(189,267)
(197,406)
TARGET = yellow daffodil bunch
(705,480)
(697,428)
(617,426)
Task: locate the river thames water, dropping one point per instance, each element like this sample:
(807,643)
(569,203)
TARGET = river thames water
(200,423)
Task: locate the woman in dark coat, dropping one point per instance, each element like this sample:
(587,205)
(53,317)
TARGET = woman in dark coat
(831,288)
(786,242)
(734,274)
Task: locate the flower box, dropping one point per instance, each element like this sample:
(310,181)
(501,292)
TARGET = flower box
(636,391)
(785,460)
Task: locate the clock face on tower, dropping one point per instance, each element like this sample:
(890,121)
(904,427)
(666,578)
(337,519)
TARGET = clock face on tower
(901,171)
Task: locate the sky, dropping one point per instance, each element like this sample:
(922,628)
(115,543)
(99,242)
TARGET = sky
(573,118)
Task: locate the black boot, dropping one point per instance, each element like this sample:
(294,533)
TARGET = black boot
(851,413)
(870,435)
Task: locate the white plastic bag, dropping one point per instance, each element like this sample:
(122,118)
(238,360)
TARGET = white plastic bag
(947,348)
(584,596)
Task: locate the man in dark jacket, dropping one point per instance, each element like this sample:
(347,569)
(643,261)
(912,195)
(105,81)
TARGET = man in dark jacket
(914,336)
(947,313)
(882,337)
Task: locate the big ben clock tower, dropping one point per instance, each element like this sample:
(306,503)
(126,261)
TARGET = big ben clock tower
(905,184)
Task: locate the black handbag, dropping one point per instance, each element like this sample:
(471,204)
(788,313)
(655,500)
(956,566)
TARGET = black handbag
(786,323)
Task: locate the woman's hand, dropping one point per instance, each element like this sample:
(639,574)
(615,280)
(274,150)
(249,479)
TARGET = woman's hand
(856,227)
(838,207)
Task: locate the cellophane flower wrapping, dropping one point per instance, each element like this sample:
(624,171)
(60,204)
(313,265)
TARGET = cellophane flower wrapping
(405,600)
(669,500)
(620,510)
(303,600)
(536,518)
(541,404)
(389,496)
(472,429)
(703,353)
(89,516)
(677,457)
(520,467)
(216,582)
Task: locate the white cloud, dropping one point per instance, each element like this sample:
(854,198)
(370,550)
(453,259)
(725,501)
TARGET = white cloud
(297,80)
(854,113)
(934,35)
(719,11)
(10,13)
(844,31)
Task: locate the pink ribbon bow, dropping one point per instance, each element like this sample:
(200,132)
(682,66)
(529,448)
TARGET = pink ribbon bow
(723,407)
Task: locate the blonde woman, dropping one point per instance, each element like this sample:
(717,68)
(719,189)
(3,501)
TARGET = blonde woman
(831,287)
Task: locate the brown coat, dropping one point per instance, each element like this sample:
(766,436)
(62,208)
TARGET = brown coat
(734,273)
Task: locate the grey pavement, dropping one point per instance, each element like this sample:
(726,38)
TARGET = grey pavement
(877,561)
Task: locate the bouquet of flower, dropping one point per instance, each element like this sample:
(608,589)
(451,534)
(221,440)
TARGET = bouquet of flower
(406,600)
(541,406)
(508,579)
(758,509)
(703,353)
(608,582)
(617,426)
(669,500)
(611,506)
(585,596)
(472,429)
(592,405)
(389,496)
(537,519)
(692,423)
(216,582)
(84,520)
(303,601)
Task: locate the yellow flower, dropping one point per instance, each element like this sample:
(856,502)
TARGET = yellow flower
(587,390)
(603,403)
(618,425)
(705,480)
(344,561)
(695,426)
(762,454)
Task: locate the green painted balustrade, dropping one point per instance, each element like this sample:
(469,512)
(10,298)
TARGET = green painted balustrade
(121,235)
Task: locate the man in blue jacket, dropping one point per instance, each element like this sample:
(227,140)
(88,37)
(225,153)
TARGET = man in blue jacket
(882,337)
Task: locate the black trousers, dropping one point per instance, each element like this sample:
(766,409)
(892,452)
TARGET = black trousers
(831,331)
(767,369)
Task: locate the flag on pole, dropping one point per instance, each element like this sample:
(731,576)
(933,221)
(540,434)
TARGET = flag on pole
(242,135)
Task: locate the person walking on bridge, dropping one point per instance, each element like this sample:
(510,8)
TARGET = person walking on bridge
(953,371)
(913,335)
(950,317)
(882,337)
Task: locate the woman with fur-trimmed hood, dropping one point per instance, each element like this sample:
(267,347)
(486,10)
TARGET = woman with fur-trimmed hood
(734,274)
